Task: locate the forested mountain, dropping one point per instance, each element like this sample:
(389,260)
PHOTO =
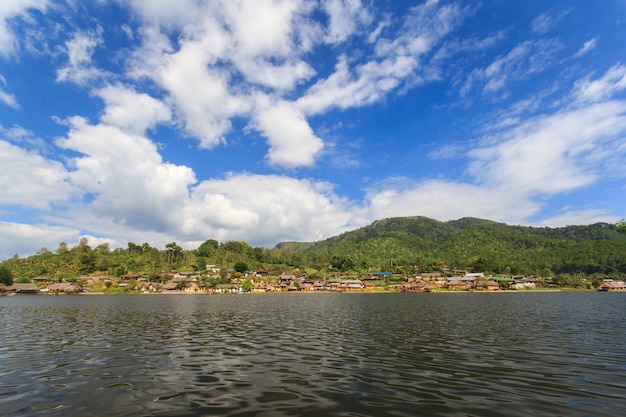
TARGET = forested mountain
(481,245)
(403,244)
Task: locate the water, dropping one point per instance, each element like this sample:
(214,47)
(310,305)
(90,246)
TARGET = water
(529,354)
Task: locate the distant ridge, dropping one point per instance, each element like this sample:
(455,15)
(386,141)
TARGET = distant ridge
(478,243)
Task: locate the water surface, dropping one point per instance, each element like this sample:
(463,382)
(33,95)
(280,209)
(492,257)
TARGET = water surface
(540,354)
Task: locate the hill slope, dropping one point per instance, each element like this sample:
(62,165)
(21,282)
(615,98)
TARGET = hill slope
(481,245)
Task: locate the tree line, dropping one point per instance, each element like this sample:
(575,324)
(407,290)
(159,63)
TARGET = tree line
(400,245)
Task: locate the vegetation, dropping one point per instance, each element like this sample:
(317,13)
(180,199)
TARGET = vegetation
(6,277)
(398,245)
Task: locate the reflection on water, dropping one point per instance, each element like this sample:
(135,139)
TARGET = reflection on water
(539,354)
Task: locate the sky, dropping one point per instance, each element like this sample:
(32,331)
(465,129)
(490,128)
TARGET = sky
(267,120)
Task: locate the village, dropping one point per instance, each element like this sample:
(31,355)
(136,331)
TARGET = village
(261,281)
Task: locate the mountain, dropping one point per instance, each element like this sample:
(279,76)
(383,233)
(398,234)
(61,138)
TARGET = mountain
(394,244)
(477,244)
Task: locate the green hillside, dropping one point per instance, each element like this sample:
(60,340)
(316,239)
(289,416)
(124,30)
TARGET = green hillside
(402,244)
(481,245)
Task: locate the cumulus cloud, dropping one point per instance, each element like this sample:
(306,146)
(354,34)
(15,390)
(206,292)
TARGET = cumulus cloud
(445,200)
(30,180)
(132,111)
(265,209)
(26,239)
(232,58)
(125,176)
(291,139)
(200,94)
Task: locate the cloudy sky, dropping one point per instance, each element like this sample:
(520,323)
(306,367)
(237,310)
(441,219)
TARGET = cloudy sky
(269,120)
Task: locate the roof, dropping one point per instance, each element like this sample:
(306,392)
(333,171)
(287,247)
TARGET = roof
(19,287)
(59,286)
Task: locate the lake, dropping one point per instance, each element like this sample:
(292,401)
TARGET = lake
(466,354)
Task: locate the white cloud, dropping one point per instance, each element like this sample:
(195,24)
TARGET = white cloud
(132,111)
(579,217)
(232,58)
(613,81)
(396,62)
(125,176)
(291,139)
(446,200)
(546,21)
(30,180)
(200,93)
(587,46)
(169,15)
(265,209)
(7,98)
(550,154)
(27,239)
(80,68)
(525,59)
(346,17)
(11,9)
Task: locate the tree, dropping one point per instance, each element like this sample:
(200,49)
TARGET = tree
(86,263)
(246,285)
(173,251)
(621,226)
(134,248)
(62,248)
(240,266)
(43,251)
(104,247)
(6,277)
(342,263)
(207,248)
(83,245)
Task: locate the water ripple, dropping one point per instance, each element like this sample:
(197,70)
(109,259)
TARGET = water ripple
(311,355)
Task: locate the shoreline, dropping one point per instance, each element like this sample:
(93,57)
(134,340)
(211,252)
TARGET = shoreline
(559,290)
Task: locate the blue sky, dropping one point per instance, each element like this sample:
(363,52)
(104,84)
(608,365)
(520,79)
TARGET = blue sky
(266,120)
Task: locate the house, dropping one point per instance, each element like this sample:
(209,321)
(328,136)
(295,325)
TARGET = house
(170,286)
(225,289)
(432,276)
(258,288)
(306,284)
(145,286)
(351,285)
(460,284)
(58,287)
(320,286)
(611,285)
(412,287)
(286,278)
(491,285)
(128,277)
(193,288)
(19,288)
